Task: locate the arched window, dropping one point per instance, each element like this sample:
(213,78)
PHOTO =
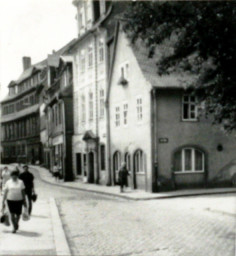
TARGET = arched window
(127,161)
(116,160)
(139,161)
(189,160)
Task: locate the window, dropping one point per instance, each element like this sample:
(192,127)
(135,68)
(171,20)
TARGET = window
(139,109)
(139,162)
(117,116)
(81,18)
(125,70)
(90,106)
(83,109)
(89,11)
(82,61)
(125,113)
(101,50)
(189,108)
(103,157)
(90,56)
(128,161)
(102,103)
(116,160)
(189,160)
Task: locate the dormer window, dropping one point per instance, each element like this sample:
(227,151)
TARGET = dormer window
(124,74)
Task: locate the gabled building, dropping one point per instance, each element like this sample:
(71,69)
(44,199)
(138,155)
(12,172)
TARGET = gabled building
(158,128)
(20,136)
(91,54)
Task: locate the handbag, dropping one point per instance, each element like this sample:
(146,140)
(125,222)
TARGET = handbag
(25,214)
(34,197)
(5,219)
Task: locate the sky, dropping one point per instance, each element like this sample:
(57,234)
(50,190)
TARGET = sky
(32,28)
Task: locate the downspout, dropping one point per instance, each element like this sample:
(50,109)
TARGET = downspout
(96,107)
(154,161)
(64,136)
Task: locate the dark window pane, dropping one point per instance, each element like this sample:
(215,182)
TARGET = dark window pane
(198,160)
(188,163)
(185,111)
(177,161)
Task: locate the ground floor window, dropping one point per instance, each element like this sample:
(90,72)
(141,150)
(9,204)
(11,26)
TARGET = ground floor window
(79,163)
(189,160)
(139,161)
(116,161)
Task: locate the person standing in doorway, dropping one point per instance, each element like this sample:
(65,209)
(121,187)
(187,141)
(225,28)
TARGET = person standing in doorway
(123,177)
(14,194)
(28,178)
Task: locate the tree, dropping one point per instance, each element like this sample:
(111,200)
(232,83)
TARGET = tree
(205,45)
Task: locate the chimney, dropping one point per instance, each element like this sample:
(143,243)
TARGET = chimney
(26,62)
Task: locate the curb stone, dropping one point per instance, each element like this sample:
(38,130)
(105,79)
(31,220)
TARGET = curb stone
(195,193)
(61,244)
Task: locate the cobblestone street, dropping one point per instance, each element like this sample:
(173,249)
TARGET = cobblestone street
(163,227)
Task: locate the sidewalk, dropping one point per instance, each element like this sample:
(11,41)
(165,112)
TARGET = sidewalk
(41,235)
(129,194)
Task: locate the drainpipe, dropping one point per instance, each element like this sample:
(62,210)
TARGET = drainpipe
(96,108)
(154,140)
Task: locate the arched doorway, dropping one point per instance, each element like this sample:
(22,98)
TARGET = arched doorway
(139,166)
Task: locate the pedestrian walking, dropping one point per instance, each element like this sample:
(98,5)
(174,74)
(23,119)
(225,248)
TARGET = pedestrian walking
(123,177)
(28,179)
(5,176)
(14,194)
(56,172)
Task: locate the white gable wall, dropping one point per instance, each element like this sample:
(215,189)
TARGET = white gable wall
(136,134)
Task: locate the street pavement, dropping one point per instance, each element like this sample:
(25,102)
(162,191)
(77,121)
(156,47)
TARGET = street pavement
(97,225)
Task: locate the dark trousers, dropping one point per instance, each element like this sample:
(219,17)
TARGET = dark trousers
(29,201)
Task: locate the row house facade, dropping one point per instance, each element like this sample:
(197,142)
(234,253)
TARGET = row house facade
(90,56)
(59,116)
(20,132)
(158,128)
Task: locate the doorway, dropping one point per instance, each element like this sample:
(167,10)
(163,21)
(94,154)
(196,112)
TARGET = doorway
(91,167)
(79,164)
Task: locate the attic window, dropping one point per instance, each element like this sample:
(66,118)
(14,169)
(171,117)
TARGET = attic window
(124,72)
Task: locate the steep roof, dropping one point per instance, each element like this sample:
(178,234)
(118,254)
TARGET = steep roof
(148,65)
(53,59)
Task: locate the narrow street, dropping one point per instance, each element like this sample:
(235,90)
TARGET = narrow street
(97,225)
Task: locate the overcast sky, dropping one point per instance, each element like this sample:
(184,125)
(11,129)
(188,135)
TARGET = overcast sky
(32,28)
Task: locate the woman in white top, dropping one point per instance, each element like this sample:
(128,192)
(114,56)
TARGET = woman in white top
(14,194)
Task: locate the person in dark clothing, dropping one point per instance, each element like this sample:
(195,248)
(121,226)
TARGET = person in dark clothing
(28,178)
(123,177)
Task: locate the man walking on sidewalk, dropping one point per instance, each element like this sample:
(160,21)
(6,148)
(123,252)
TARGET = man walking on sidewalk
(28,178)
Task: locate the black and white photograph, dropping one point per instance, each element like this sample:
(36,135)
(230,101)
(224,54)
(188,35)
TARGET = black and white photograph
(117,128)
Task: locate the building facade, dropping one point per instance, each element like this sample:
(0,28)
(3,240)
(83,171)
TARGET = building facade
(158,128)
(20,136)
(58,109)
(90,68)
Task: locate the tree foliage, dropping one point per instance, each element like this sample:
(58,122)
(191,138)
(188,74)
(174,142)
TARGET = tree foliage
(205,46)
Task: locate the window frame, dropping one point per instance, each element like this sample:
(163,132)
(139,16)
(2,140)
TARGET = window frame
(91,106)
(101,50)
(117,117)
(102,103)
(90,56)
(138,154)
(190,103)
(125,113)
(139,109)
(193,161)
